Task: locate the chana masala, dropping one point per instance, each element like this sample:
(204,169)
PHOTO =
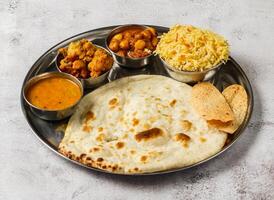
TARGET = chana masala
(134,42)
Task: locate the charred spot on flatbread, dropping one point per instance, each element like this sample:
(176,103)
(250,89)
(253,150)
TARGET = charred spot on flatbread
(95,149)
(143,158)
(173,102)
(202,139)
(148,134)
(86,128)
(113,103)
(135,122)
(100,129)
(186,125)
(120,145)
(101,137)
(89,116)
(182,138)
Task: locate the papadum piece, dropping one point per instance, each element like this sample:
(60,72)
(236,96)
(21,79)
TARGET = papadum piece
(210,103)
(228,127)
(236,97)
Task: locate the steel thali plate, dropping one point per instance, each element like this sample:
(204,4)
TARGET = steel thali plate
(51,133)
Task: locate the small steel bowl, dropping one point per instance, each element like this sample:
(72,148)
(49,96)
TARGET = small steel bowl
(88,82)
(188,76)
(52,114)
(127,61)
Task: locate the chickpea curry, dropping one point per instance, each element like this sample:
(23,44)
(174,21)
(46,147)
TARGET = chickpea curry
(53,93)
(134,42)
(82,59)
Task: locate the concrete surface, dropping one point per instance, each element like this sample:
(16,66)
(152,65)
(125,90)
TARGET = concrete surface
(29,170)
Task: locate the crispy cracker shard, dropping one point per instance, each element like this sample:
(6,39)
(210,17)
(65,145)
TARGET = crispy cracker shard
(224,111)
(210,103)
(236,97)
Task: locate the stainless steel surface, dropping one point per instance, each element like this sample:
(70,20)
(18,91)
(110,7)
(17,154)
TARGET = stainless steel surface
(190,77)
(51,114)
(50,133)
(88,82)
(127,61)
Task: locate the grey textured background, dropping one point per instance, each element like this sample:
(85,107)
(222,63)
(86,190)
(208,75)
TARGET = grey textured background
(29,170)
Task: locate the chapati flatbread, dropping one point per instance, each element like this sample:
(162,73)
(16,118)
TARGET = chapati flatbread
(139,124)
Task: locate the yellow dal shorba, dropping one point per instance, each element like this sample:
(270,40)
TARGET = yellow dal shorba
(53,93)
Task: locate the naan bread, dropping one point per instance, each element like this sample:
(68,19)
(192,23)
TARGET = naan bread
(139,124)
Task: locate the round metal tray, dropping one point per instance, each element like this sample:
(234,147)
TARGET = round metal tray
(51,133)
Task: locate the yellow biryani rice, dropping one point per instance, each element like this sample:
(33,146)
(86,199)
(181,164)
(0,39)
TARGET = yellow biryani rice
(189,48)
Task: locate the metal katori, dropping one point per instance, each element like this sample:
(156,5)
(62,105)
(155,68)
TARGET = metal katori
(88,82)
(127,61)
(51,114)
